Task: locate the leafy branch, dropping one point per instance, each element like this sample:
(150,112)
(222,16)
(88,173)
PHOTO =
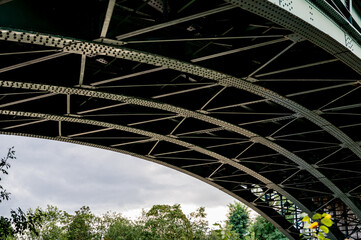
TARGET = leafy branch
(19,222)
(318,227)
(4,166)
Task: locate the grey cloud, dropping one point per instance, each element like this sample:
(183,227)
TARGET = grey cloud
(70,176)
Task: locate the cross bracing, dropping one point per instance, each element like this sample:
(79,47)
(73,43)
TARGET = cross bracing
(257,98)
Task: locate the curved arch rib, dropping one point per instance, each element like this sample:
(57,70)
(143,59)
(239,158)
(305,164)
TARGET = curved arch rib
(159,137)
(259,209)
(347,142)
(183,112)
(81,47)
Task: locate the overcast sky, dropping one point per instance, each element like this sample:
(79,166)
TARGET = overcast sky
(70,176)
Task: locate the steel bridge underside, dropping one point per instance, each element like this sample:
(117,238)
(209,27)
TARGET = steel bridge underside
(258,98)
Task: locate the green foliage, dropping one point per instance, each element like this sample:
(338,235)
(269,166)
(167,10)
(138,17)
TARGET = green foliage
(52,224)
(6,229)
(317,216)
(238,218)
(26,222)
(124,229)
(19,223)
(167,222)
(4,166)
(199,224)
(264,230)
(161,222)
(318,228)
(224,233)
(261,229)
(80,226)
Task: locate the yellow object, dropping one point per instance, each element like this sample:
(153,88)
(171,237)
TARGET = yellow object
(314,225)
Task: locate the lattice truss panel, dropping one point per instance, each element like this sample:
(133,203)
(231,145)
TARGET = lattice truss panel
(240,99)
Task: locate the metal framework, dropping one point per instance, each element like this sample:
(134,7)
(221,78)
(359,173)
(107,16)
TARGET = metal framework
(259,98)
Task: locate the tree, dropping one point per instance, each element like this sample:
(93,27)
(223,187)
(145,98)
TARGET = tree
(199,224)
(167,222)
(4,166)
(238,218)
(53,224)
(59,225)
(6,230)
(160,222)
(264,230)
(124,229)
(223,233)
(80,227)
(19,222)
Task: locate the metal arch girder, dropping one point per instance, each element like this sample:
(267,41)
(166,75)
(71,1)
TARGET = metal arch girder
(322,31)
(79,47)
(82,47)
(249,204)
(323,24)
(76,46)
(185,113)
(159,137)
(167,107)
(356,148)
(305,18)
(170,108)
